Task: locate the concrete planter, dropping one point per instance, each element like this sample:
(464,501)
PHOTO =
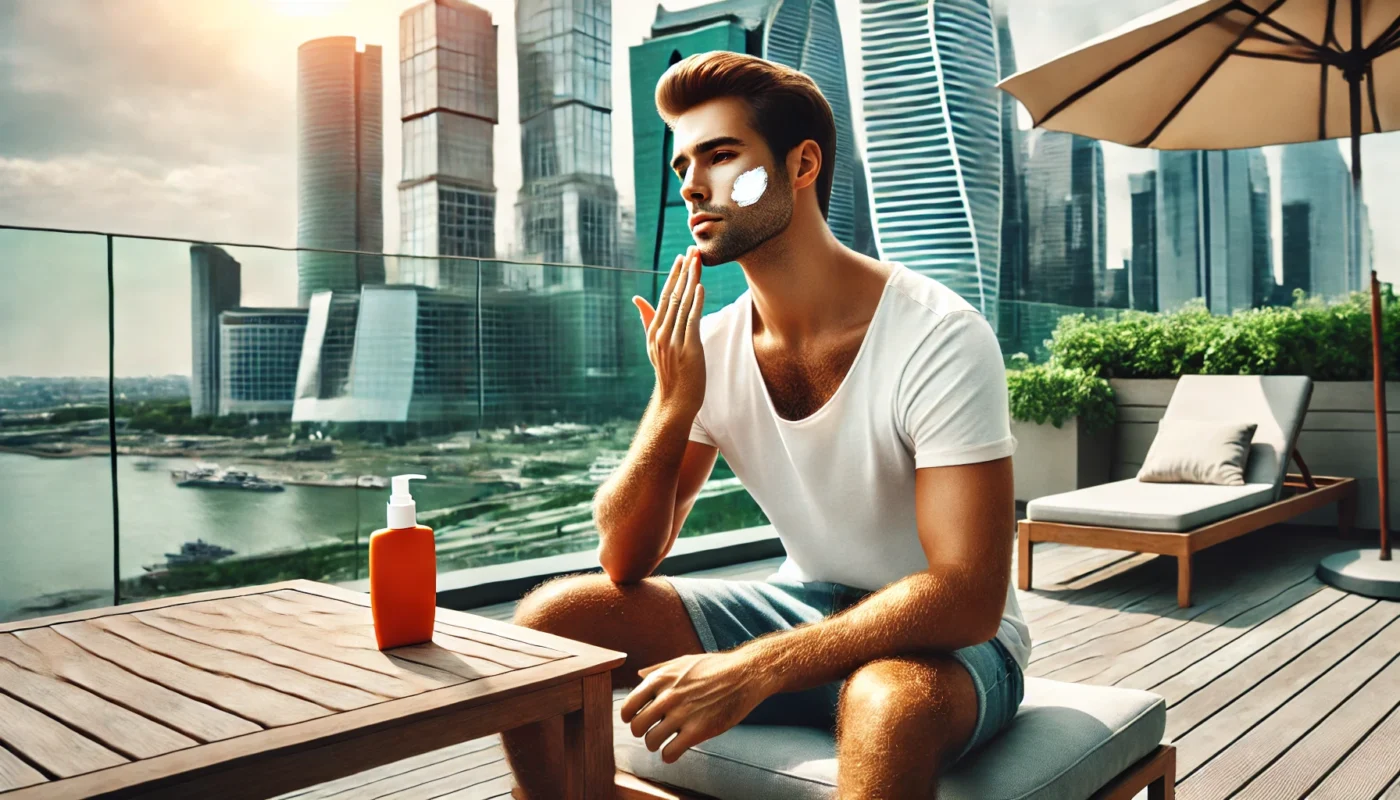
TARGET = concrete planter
(1051,460)
(1338,438)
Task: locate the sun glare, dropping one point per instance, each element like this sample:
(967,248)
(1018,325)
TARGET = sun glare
(307,8)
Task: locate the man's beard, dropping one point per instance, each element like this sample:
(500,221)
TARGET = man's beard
(745,229)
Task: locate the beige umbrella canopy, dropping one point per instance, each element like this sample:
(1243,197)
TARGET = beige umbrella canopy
(1224,74)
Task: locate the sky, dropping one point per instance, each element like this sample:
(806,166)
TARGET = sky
(177,118)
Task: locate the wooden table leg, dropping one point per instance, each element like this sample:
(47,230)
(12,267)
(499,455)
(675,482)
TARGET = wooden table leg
(588,743)
(1024,547)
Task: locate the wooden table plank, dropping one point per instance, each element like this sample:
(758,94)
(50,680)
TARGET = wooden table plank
(1373,764)
(129,734)
(255,703)
(310,688)
(42,650)
(500,641)
(202,628)
(332,644)
(1274,676)
(1311,758)
(15,774)
(50,744)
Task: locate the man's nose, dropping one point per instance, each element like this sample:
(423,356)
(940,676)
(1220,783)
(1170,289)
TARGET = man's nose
(692,189)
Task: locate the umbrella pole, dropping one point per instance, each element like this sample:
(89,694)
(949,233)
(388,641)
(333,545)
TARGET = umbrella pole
(1377,361)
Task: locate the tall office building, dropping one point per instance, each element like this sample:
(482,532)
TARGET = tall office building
(340,165)
(215,287)
(934,140)
(1297,250)
(447,195)
(1205,230)
(1066,217)
(802,34)
(1315,173)
(1265,288)
(1142,280)
(567,209)
(390,354)
(1013,170)
(259,354)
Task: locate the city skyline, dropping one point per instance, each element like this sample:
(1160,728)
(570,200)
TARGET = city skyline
(140,179)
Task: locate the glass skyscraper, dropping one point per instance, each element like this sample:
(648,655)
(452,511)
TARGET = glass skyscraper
(1142,291)
(447,194)
(259,354)
(1206,229)
(215,287)
(340,165)
(567,209)
(1066,219)
(934,140)
(802,34)
(1314,173)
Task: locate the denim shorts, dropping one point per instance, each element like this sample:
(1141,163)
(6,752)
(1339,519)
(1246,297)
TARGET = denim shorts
(728,613)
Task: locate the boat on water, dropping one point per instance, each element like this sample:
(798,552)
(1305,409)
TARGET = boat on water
(144,464)
(371,482)
(196,552)
(210,477)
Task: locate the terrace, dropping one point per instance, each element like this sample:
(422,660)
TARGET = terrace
(1277,685)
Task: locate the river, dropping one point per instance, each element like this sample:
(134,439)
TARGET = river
(56,521)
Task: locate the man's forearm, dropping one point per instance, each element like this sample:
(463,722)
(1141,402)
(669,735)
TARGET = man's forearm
(634,509)
(939,610)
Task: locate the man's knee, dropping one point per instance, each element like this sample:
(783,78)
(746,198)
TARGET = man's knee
(572,603)
(888,690)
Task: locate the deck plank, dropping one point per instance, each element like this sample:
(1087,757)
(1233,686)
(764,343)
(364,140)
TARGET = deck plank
(1373,764)
(15,774)
(1327,744)
(1293,700)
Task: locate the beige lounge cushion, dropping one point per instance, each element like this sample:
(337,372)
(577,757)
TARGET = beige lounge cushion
(1198,451)
(1137,505)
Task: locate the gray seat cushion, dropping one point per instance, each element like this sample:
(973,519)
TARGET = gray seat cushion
(1137,505)
(1067,741)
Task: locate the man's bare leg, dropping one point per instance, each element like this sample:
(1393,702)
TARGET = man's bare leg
(899,721)
(645,620)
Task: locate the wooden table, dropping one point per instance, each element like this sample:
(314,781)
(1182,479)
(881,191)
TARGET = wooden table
(257,691)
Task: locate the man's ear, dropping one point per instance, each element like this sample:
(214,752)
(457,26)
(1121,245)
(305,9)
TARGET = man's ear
(805,164)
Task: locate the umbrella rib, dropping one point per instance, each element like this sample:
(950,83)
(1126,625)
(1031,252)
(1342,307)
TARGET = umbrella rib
(1322,103)
(1113,73)
(1278,57)
(1297,37)
(1330,28)
(1371,96)
(1176,109)
(1387,37)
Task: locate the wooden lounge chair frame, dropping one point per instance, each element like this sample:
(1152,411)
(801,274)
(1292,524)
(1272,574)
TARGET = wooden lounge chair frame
(1155,772)
(1302,493)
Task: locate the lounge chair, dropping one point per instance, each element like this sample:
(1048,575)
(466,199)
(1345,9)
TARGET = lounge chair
(1067,742)
(1180,519)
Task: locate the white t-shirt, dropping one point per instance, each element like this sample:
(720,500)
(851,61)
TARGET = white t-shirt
(927,388)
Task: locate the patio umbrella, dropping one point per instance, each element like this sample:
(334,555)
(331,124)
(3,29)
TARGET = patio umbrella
(1225,74)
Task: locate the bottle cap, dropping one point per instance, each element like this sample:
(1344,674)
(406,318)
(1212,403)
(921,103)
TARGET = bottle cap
(403,513)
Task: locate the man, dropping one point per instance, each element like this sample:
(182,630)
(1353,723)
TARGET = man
(864,407)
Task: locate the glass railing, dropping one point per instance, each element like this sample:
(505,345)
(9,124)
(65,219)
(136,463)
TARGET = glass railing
(262,397)
(259,419)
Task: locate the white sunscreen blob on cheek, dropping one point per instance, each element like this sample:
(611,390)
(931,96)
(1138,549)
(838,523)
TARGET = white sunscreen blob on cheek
(749,186)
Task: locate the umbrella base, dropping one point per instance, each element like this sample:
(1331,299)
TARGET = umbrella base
(1362,572)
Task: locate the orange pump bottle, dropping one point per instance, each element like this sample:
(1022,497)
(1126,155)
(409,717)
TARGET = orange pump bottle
(402,574)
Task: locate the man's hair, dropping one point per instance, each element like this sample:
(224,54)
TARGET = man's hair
(785,106)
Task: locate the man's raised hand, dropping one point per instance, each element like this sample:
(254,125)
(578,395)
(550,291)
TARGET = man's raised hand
(673,335)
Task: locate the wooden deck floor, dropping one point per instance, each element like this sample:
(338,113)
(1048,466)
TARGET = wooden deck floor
(1278,686)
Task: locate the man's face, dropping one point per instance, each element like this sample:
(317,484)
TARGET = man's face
(714,147)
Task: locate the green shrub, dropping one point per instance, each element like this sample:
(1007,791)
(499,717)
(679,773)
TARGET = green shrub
(1325,342)
(1042,393)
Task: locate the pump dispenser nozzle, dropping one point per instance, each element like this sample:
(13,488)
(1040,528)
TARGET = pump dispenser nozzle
(403,512)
